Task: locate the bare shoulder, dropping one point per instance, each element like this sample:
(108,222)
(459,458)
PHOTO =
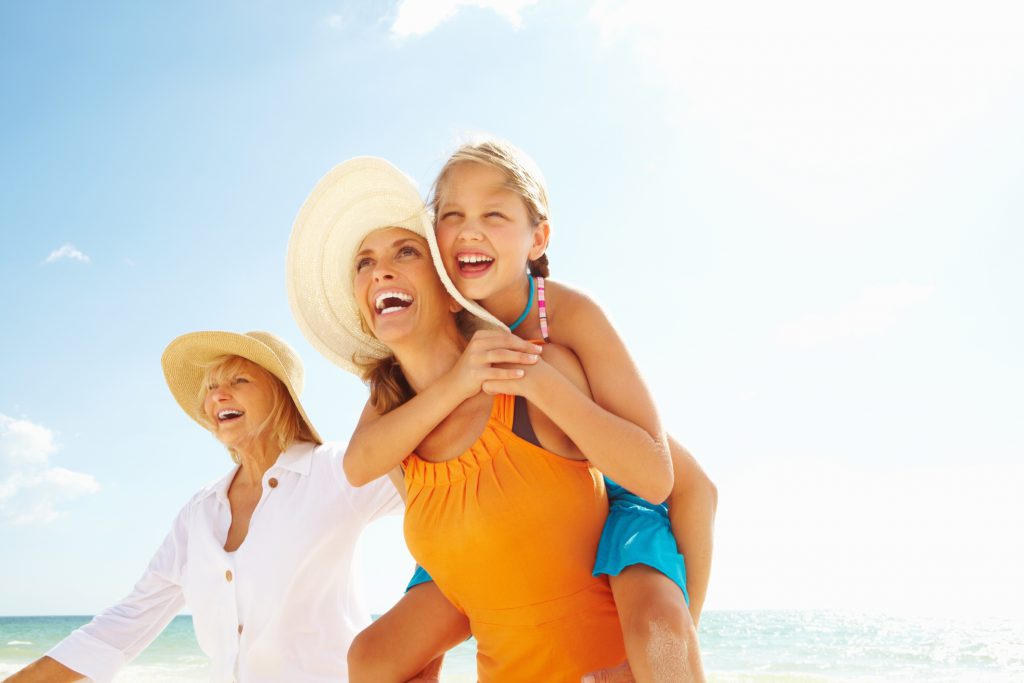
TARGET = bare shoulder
(573,315)
(563,298)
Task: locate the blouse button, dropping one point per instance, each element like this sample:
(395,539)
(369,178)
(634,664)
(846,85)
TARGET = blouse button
(273,483)
(228,575)
(239,629)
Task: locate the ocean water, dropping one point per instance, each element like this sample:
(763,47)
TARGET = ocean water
(738,647)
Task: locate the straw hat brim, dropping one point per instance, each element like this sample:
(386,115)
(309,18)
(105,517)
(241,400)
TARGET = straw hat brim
(354,199)
(185,360)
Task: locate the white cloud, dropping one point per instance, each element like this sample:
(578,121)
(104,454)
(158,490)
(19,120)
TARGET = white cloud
(419,17)
(30,488)
(873,312)
(66,251)
(25,443)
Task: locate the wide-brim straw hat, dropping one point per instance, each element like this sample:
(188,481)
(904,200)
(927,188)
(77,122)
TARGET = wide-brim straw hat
(186,358)
(354,199)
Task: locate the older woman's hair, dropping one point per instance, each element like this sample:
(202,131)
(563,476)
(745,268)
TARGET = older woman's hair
(284,423)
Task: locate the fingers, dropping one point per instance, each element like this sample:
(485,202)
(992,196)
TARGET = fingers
(619,674)
(508,356)
(493,339)
(502,374)
(512,387)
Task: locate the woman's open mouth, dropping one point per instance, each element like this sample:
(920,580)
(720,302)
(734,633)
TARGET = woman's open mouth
(390,302)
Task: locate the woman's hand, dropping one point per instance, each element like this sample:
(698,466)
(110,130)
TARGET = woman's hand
(619,674)
(492,356)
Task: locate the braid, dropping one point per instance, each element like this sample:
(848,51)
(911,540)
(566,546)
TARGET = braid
(539,266)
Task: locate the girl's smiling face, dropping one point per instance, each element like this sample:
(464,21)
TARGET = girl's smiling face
(485,233)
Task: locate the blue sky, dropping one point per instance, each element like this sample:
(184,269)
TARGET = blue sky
(805,221)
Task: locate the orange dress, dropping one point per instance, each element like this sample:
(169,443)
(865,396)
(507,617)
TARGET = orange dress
(509,532)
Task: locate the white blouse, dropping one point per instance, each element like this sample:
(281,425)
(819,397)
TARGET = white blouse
(283,607)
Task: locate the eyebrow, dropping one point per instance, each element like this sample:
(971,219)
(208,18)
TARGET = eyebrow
(396,243)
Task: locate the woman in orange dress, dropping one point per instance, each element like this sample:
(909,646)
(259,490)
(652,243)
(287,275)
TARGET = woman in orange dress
(503,510)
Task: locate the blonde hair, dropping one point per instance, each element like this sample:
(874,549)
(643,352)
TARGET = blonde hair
(284,424)
(521,176)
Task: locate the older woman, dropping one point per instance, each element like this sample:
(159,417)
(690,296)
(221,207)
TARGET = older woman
(262,558)
(503,509)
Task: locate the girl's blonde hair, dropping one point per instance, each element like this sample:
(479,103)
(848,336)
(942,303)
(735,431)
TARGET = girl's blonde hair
(521,176)
(284,423)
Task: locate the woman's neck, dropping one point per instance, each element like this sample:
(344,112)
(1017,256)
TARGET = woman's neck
(425,361)
(255,459)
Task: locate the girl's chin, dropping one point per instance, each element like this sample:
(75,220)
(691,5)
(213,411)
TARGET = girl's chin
(474,289)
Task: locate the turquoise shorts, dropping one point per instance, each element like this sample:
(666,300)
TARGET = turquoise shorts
(636,532)
(419,576)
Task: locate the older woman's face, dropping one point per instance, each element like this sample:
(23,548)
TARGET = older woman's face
(396,286)
(239,399)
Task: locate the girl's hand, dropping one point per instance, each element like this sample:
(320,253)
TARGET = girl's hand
(529,383)
(488,349)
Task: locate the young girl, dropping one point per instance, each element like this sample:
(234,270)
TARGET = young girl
(491,222)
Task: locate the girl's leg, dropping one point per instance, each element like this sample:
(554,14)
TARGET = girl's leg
(691,509)
(407,642)
(661,641)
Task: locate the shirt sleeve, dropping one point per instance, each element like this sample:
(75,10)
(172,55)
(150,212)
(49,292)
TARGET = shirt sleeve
(378,499)
(114,637)
(372,501)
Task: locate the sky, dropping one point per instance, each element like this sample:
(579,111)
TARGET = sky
(805,220)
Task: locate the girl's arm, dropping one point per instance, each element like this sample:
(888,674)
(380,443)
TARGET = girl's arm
(694,497)
(617,388)
(381,442)
(619,430)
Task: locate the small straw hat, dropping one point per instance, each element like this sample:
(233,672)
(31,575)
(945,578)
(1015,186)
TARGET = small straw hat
(355,198)
(186,357)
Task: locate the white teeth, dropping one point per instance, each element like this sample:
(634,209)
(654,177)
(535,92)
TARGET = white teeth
(391,309)
(383,296)
(474,258)
(227,414)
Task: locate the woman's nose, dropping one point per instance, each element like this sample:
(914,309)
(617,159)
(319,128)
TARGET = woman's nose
(382,272)
(220,393)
